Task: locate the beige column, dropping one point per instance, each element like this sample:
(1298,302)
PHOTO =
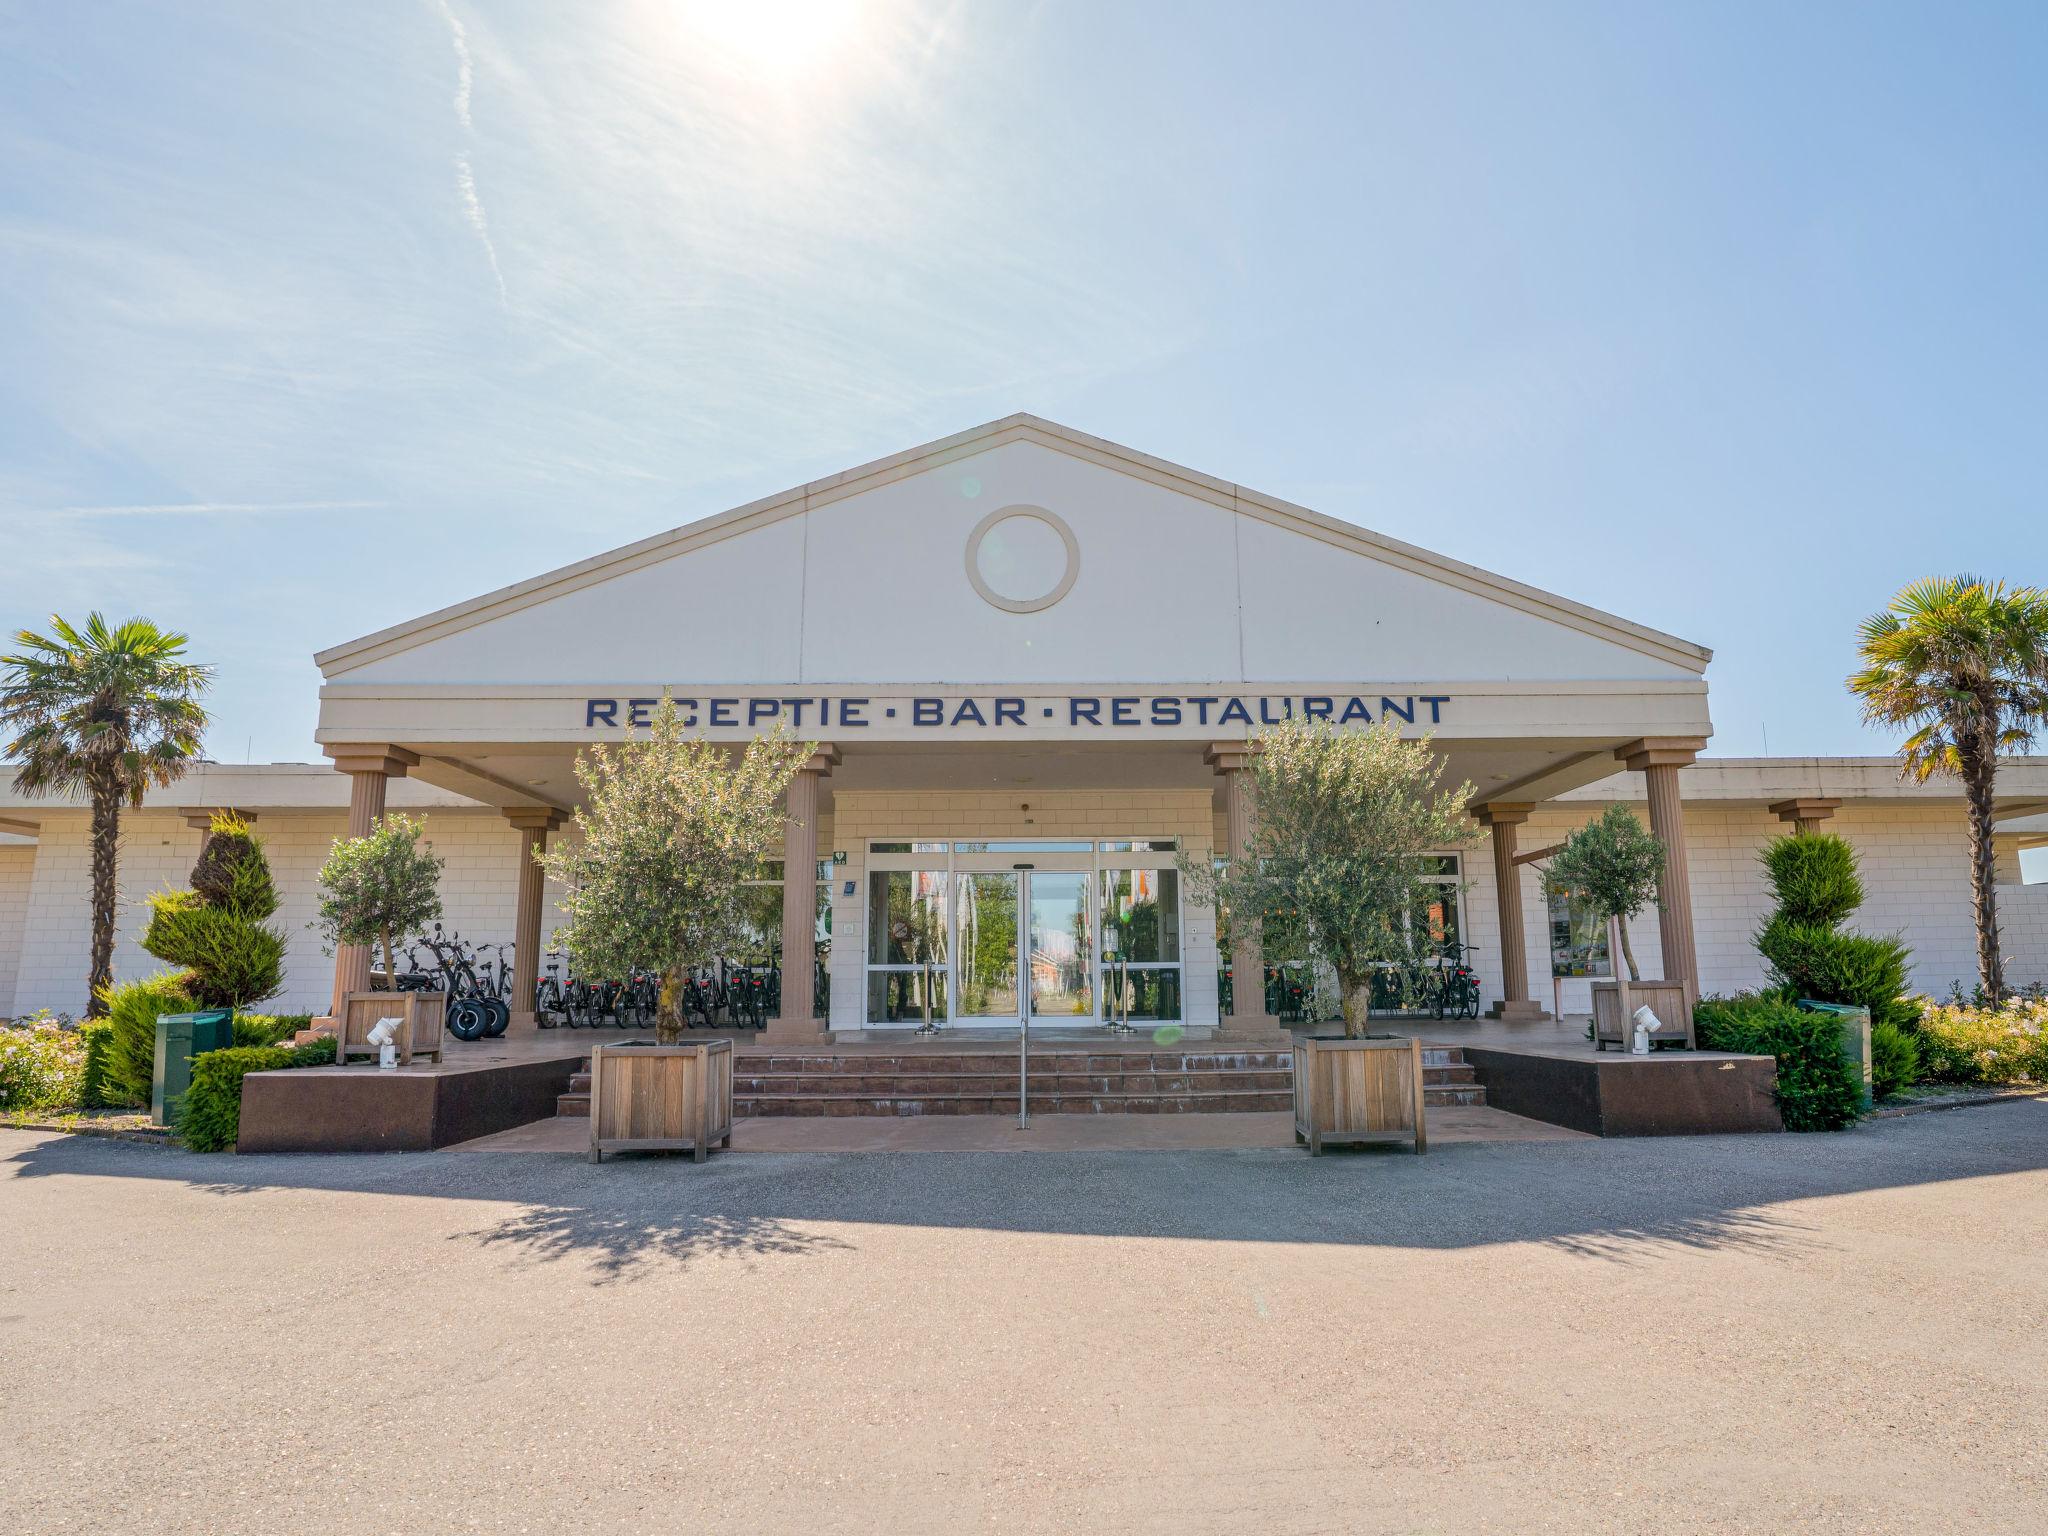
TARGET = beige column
(1658,759)
(533,824)
(1805,814)
(368,767)
(1517,1005)
(1248,1018)
(793,1024)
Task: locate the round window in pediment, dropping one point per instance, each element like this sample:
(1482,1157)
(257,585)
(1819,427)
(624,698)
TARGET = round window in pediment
(1022,558)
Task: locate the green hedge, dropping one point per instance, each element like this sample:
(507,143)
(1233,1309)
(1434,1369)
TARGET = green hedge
(1894,1060)
(212,1116)
(1818,1089)
(268,1028)
(132,1008)
(98,1036)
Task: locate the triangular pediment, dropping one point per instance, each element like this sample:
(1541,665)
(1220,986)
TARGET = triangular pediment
(1094,564)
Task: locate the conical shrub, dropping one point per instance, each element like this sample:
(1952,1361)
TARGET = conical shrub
(217,932)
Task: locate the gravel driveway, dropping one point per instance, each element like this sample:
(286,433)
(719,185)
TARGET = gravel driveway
(1822,1333)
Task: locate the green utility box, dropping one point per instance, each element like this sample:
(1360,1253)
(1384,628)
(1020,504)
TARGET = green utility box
(1855,1034)
(180,1037)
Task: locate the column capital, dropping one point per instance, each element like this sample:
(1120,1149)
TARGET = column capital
(1231,756)
(200,818)
(822,761)
(1503,813)
(1804,809)
(371,757)
(534,818)
(1660,752)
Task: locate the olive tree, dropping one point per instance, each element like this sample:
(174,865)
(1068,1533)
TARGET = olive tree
(1613,864)
(1341,825)
(670,829)
(378,887)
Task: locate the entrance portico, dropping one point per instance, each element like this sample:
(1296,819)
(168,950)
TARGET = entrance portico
(1033,662)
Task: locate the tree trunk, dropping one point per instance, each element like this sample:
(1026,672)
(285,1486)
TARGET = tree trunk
(1357,992)
(1979,771)
(106,842)
(668,1017)
(1627,951)
(390,963)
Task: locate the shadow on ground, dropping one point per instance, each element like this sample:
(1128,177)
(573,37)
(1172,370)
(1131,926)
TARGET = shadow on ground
(1620,1201)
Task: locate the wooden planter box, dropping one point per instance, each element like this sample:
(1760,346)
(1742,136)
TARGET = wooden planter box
(660,1098)
(421,1015)
(1615,1004)
(1359,1091)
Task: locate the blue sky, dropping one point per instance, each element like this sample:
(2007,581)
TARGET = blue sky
(1727,318)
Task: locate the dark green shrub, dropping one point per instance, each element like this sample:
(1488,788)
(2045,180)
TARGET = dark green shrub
(1894,1060)
(269,1028)
(1818,1088)
(98,1038)
(130,1059)
(212,1117)
(217,930)
(1814,878)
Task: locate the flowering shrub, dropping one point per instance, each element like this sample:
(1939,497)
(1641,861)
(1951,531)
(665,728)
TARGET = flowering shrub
(42,1065)
(1960,1043)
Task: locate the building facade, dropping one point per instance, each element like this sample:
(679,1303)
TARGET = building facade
(1031,661)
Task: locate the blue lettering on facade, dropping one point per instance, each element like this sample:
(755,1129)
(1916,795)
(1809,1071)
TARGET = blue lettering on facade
(1165,710)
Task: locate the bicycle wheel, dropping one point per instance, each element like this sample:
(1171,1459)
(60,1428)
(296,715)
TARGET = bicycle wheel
(467,1019)
(497,1015)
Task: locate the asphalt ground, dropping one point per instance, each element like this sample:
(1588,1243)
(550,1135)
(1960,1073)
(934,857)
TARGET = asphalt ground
(1787,1333)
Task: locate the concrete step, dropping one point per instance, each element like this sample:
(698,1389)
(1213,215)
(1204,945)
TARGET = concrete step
(1062,1083)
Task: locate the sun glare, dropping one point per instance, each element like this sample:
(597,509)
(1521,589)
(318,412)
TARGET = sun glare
(775,40)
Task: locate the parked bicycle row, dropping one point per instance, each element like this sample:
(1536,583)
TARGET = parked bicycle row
(478,979)
(1443,986)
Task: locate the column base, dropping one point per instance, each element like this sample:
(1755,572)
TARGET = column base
(1518,1010)
(796,1034)
(1254,1029)
(527,1023)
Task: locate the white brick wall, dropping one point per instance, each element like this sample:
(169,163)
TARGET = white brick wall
(1915,862)
(157,851)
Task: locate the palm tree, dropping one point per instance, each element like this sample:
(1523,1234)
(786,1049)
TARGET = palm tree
(110,710)
(1962,663)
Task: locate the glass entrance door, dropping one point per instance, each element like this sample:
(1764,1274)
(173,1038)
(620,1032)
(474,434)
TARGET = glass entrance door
(1024,939)
(990,913)
(1060,946)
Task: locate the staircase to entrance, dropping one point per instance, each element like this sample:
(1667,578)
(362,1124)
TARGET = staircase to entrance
(1063,1082)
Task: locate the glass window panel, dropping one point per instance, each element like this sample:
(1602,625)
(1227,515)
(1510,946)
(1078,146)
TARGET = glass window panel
(901,997)
(761,918)
(1062,949)
(878,846)
(1141,915)
(1148,993)
(1027,845)
(988,946)
(1141,845)
(1438,865)
(906,916)
(1434,922)
(1578,937)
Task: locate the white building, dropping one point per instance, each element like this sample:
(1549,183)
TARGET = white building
(1031,659)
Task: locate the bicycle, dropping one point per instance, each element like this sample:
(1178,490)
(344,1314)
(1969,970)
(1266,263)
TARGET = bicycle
(1454,990)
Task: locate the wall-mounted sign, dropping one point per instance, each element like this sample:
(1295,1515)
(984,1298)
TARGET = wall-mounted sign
(1067,714)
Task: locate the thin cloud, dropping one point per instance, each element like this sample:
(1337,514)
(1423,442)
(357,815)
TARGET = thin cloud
(465,174)
(214,508)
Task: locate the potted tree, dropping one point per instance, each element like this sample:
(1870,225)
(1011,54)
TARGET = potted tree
(1613,864)
(670,830)
(1342,824)
(373,889)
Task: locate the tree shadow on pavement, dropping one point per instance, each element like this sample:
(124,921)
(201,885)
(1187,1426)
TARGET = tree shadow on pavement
(1615,1201)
